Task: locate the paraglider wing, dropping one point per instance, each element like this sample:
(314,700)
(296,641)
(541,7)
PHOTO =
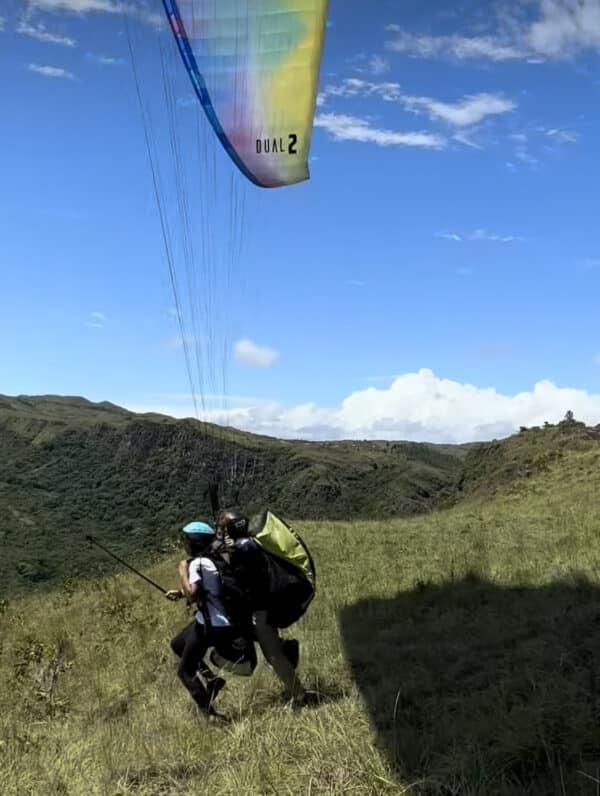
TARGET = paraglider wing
(254,65)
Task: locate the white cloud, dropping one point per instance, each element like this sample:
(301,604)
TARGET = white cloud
(2,24)
(379,65)
(156,19)
(416,406)
(356,87)
(478,235)
(104,60)
(565,27)
(561,29)
(483,234)
(450,236)
(51,71)
(40,33)
(460,47)
(526,143)
(96,320)
(352,128)
(467,112)
(77,6)
(466,137)
(143,11)
(252,355)
(523,154)
(562,136)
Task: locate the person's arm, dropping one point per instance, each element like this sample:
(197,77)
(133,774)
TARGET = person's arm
(190,590)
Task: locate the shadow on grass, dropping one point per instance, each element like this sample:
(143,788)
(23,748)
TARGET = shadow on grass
(478,689)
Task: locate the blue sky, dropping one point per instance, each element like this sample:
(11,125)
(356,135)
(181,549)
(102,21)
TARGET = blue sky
(437,278)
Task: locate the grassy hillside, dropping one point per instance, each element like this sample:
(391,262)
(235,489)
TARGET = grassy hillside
(491,467)
(70,467)
(457,653)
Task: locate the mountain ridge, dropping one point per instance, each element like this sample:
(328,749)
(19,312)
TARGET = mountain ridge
(69,467)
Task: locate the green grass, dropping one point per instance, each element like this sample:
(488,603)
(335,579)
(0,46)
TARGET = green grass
(457,653)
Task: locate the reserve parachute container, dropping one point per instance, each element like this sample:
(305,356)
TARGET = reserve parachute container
(291,568)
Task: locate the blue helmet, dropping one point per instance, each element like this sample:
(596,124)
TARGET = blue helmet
(198,530)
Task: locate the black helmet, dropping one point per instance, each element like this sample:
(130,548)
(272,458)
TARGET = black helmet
(233,523)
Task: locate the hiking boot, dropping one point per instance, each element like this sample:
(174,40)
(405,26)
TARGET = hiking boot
(312,698)
(309,699)
(291,650)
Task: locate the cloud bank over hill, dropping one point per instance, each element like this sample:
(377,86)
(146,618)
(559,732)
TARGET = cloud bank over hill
(416,406)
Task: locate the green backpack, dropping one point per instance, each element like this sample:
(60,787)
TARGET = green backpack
(291,569)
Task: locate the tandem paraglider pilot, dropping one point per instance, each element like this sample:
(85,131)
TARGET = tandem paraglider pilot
(267,590)
(247,584)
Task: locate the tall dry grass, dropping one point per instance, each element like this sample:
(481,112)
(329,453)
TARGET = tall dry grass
(455,653)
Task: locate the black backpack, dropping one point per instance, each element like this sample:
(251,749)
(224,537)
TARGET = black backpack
(283,590)
(234,596)
(290,592)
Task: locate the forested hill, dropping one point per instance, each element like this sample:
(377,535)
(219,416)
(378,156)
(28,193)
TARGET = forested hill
(69,467)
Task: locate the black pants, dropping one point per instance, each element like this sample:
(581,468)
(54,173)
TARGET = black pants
(191,646)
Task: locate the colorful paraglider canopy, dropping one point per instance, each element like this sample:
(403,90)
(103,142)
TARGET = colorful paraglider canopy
(254,65)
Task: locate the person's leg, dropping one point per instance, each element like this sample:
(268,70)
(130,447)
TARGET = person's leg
(213,681)
(291,648)
(178,642)
(191,646)
(273,650)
